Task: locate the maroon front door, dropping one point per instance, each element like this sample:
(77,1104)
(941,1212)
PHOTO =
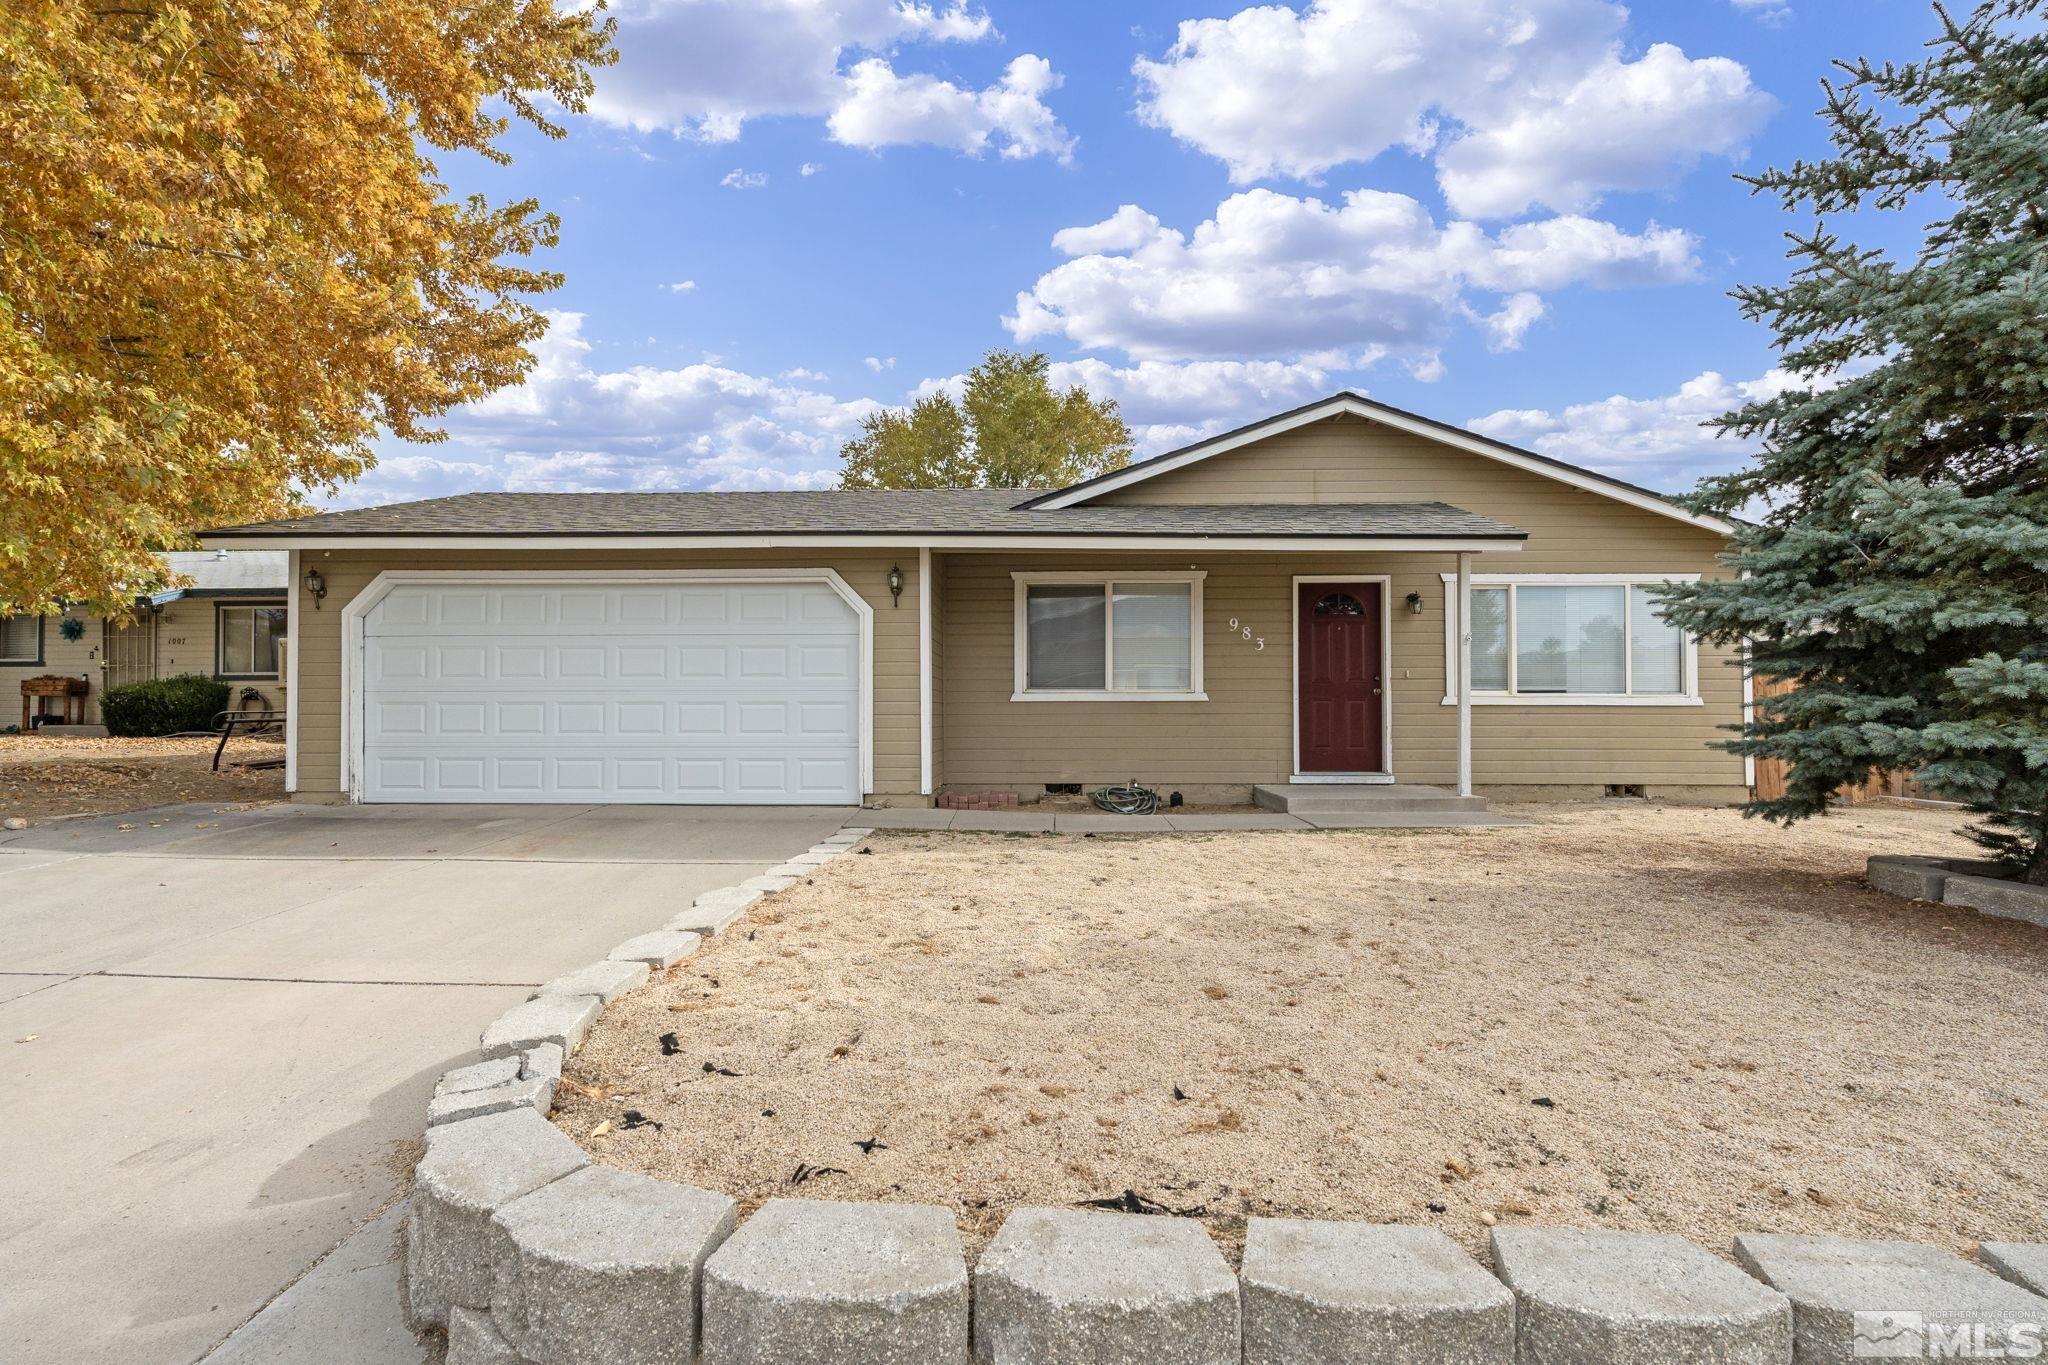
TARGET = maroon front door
(1341,675)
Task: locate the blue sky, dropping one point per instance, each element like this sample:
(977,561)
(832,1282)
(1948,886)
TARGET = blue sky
(1514,214)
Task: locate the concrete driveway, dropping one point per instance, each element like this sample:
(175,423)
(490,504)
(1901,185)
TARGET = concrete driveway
(219,1031)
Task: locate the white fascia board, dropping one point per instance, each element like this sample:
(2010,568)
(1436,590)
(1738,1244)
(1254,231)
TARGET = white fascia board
(991,544)
(1400,421)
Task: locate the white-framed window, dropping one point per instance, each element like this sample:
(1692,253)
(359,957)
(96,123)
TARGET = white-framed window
(248,637)
(1572,640)
(21,640)
(1108,637)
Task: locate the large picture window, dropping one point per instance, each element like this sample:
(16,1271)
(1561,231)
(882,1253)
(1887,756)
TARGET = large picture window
(1587,639)
(1091,637)
(248,640)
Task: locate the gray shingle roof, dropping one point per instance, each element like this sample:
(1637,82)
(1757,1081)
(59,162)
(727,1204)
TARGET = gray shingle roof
(870,512)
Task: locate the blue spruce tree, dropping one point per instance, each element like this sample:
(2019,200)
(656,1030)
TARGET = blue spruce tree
(1895,557)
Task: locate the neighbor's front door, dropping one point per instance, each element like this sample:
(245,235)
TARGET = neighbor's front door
(1342,675)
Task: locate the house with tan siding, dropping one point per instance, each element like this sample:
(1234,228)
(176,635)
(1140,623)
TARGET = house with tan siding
(1345,594)
(224,619)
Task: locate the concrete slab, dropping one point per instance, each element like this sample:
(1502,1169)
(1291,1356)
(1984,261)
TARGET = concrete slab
(183,1146)
(450,921)
(178,1151)
(908,817)
(13,985)
(1223,822)
(996,821)
(677,834)
(103,913)
(1105,823)
(375,831)
(1450,819)
(141,831)
(351,1296)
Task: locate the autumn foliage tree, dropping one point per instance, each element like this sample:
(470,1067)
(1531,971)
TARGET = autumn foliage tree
(1010,429)
(228,256)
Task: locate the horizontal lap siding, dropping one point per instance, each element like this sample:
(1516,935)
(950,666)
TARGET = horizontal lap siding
(348,572)
(1244,733)
(78,658)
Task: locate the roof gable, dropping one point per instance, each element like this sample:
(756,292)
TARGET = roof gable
(1081,494)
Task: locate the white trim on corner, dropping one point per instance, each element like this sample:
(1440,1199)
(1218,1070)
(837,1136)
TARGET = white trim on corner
(1386,584)
(1022,580)
(359,608)
(291,672)
(1689,697)
(924,670)
(1361,407)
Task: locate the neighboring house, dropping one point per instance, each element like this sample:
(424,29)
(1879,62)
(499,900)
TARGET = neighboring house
(1280,602)
(226,625)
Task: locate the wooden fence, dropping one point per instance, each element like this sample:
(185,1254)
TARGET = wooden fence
(1879,786)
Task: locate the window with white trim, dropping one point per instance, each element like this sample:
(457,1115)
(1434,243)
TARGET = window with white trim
(1092,637)
(1585,638)
(248,640)
(21,639)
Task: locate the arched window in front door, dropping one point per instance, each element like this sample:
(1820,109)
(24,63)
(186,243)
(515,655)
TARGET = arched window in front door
(1339,604)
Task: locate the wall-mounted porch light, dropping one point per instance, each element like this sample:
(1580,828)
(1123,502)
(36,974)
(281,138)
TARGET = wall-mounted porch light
(316,585)
(1415,604)
(896,584)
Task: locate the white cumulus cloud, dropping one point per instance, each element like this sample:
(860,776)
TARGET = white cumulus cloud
(744,180)
(1522,102)
(883,109)
(703,68)
(1278,276)
(575,427)
(1661,441)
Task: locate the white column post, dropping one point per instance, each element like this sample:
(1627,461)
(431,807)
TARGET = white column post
(1464,673)
(924,670)
(292,619)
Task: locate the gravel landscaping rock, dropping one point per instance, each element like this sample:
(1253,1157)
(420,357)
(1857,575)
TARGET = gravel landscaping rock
(661,949)
(558,1019)
(1056,1286)
(471,1169)
(1623,1298)
(1322,1293)
(838,1284)
(600,1268)
(1831,1280)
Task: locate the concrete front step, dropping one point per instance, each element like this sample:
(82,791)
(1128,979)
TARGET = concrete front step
(1315,798)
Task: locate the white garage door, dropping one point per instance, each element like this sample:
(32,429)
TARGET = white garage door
(688,692)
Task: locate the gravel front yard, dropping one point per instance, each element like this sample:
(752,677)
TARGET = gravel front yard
(44,777)
(1627,1016)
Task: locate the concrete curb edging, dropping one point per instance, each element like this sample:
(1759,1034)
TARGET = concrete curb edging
(1966,883)
(526,1253)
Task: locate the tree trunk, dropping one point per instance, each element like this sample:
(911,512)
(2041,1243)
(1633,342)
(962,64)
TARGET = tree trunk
(2037,870)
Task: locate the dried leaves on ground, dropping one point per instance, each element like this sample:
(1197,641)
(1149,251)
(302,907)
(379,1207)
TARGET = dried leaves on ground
(44,777)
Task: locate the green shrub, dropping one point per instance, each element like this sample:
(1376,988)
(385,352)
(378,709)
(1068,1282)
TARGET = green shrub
(163,706)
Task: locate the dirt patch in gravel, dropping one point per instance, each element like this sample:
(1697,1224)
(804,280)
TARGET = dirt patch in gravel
(44,778)
(1625,1016)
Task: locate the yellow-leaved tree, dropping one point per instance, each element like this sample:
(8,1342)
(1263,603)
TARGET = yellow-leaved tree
(227,256)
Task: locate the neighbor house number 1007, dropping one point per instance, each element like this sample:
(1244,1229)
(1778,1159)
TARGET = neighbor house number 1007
(1258,641)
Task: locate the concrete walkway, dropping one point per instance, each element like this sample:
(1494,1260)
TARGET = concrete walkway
(219,1030)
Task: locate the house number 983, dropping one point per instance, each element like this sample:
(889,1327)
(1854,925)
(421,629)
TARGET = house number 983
(1258,641)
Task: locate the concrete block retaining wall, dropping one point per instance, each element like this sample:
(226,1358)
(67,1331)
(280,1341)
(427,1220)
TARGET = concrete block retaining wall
(526,1253)
(1966,883)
